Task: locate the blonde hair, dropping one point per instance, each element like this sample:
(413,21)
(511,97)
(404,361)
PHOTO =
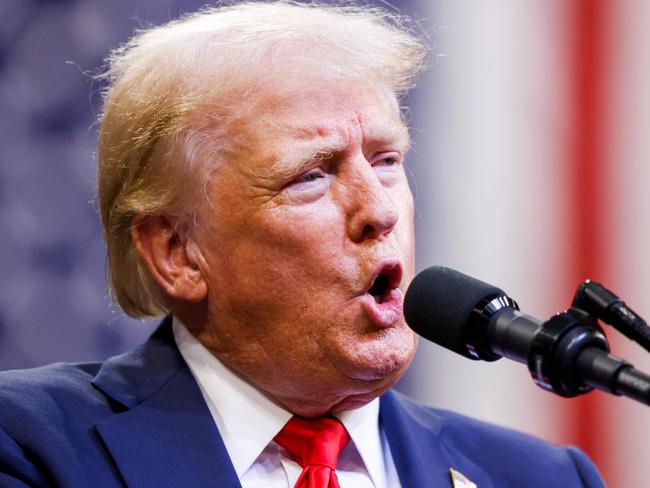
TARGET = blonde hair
(170,90)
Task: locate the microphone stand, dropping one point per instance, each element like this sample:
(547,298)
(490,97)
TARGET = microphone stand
(570,356)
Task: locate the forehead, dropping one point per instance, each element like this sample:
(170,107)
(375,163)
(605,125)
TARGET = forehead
(288,122)
(305,107)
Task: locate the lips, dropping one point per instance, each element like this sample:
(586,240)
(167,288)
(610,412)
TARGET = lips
(383,298)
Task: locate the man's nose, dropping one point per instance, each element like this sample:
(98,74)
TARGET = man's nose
(373,211)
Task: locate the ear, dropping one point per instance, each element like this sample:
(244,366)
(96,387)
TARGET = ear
(172,260)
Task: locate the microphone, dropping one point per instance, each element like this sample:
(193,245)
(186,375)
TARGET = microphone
(567,355)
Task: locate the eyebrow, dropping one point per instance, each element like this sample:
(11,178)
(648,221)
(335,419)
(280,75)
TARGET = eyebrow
(398,133)
(298,160)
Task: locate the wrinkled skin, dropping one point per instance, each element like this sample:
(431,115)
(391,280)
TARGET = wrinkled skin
(310,201)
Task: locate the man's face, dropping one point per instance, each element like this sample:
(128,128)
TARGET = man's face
(307,242)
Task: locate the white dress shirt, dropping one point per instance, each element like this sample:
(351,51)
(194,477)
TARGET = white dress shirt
(248,421)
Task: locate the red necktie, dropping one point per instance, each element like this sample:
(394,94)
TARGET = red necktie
(315,445)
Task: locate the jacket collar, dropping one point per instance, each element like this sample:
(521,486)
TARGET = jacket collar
(416,436)
(164,434)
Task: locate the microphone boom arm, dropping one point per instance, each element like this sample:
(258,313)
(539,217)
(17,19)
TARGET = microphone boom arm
(567,355)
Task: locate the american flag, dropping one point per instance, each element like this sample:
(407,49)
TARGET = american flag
(533,174)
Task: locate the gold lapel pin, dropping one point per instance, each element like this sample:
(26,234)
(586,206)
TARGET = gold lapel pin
(459,480)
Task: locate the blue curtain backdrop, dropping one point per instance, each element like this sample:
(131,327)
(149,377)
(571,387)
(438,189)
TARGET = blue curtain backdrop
(53,304)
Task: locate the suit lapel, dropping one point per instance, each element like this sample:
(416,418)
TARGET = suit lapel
(417,443)
(165,435)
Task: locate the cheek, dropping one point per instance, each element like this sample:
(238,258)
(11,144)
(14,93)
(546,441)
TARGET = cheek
(288,238)
(279,253)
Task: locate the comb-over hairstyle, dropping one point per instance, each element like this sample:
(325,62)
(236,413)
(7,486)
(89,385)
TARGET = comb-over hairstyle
(170,95)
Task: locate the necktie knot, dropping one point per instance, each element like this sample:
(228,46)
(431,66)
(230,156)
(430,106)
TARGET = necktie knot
(314,444)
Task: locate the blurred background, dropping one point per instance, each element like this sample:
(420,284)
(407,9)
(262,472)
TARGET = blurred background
(530,167)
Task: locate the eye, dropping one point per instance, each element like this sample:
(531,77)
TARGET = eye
(309,177)
(308,186)
(386,160)
(388,167)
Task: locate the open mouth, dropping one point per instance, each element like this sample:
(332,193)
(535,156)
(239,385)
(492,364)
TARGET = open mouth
(379,288)
(388,278)
(383,297)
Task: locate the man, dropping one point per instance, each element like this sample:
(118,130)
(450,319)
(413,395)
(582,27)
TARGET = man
(252,189)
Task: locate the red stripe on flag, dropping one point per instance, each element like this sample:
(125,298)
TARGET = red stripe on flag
(588,179)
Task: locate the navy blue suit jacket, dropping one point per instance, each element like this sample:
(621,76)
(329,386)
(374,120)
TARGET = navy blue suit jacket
(139,420)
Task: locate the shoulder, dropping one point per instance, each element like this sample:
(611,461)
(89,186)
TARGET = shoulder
(46,418)
(59,383)
(466,431)
(48,398)
(508,455)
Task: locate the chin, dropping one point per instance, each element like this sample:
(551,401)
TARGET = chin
(379,360)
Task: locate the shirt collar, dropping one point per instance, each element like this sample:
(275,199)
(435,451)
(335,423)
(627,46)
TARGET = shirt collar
(363,426)
(248,420)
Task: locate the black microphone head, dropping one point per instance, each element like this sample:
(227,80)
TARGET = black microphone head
(439,306)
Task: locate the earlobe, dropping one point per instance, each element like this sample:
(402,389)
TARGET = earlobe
(174,262)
